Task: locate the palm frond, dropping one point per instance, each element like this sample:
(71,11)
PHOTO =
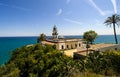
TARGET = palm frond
(117,25)
(108,21)
(117,18)
(113,19)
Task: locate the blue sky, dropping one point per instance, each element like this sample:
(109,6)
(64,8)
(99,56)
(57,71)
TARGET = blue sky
(72,17)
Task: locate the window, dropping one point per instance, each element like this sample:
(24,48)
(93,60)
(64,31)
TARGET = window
(62,47)
(79,44)
(67,46)
(75,45)
(71,46)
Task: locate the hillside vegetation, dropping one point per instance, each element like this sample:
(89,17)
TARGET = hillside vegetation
(46,61)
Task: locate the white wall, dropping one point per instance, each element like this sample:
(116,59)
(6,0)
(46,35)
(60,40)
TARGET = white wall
(60,45)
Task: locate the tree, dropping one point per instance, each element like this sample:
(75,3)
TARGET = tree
(114,20)
(42,37)
(39,61)
(90,36)
(95,62)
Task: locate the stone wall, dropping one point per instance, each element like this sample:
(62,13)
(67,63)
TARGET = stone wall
(115,47)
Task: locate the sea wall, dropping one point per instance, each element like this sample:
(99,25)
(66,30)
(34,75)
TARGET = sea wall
(115,47)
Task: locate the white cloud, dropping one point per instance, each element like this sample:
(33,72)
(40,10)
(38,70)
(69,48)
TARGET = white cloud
(20,8)
(114,5)
(2,4)
(73,21)
(59,12)
(108,12)
(68,1)
(15,7)
(96,7)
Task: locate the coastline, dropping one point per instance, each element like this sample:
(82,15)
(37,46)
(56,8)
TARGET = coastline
(16,42)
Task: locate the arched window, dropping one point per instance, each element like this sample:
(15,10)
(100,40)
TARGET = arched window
(67,46)
(79,44)
(75,45)
(62,47)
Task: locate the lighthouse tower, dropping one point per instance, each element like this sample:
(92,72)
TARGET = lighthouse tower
(55,33)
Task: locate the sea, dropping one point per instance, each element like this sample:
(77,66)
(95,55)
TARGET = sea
(8,44)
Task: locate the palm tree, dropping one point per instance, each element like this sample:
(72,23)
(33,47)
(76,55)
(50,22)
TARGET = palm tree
(114,20)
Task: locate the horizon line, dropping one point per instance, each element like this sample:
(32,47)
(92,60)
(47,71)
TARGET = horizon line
(51,35)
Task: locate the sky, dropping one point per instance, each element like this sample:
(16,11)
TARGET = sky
(71,17)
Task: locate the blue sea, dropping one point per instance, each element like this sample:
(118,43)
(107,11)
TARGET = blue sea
(8,44)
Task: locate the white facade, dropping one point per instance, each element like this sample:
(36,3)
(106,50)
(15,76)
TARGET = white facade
(61,46)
